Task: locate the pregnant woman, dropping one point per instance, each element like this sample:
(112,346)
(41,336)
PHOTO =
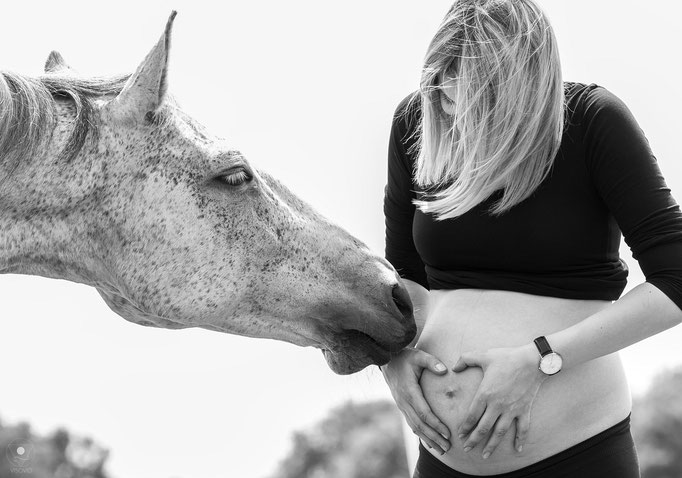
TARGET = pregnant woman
(507,192)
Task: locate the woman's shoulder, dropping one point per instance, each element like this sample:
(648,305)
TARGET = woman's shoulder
(408,112)
(411,102)
(607,128)
(590,99)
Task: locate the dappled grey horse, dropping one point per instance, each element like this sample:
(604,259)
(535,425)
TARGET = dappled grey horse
(107,182)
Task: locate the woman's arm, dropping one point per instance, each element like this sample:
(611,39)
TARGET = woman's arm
(641,313)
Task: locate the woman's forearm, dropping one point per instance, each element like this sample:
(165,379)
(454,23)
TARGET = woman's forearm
(420,305)
(641,313)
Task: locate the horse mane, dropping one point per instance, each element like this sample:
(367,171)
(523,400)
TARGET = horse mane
(28,112)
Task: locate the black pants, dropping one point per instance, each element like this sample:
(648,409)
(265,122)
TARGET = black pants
(609,454)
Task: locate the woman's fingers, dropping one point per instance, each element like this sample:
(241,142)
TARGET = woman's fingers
(483,429)
(501,428)
(425,415)
(420,428)
(469,359)
(410,419)
(476,410)
(522,427)
(422,360)
(403,379)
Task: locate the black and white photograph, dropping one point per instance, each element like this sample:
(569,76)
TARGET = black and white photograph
(379,239)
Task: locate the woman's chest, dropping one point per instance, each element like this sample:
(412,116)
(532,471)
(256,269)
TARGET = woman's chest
(563,224)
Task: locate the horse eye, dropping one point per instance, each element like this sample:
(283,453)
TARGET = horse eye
(235,178)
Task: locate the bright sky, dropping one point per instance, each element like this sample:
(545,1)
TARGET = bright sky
(306,90)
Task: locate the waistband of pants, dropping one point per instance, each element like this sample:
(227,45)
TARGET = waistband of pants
(429,461)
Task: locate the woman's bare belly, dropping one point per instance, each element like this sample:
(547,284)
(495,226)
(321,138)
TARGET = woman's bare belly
(570,407)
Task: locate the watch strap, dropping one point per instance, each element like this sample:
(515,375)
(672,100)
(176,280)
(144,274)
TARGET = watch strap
(543,346)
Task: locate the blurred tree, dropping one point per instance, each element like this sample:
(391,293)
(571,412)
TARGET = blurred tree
(59,455)
(657,426)
(354,441)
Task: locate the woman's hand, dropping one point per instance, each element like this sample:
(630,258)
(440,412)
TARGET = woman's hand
(511,381)
(402,375)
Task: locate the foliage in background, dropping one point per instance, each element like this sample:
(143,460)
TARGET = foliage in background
(355,441)
(59,455)
(657,426)
(365,440)
(361,440)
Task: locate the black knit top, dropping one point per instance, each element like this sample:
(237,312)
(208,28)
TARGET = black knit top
(563,240)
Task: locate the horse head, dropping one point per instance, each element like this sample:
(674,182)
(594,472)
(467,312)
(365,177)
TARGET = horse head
(175,227)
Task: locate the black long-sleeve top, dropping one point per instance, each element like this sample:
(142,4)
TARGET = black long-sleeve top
(563,240)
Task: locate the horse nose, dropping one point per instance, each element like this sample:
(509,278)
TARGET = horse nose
(401,299)
(403,304)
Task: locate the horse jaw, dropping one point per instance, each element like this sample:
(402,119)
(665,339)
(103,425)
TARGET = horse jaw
(129,311)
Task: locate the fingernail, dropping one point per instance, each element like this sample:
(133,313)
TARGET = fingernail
(446,435)
(486,455)
(440,367)
(519,448)
(467,448)
(461,435)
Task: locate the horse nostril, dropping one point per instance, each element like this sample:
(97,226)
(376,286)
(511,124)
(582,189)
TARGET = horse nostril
(401,298)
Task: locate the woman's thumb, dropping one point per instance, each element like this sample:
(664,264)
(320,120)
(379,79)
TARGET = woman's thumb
(426,360)
(465,360)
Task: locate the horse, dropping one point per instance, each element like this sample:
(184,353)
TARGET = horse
(107,182)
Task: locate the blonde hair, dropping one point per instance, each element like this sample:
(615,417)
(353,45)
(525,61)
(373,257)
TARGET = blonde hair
(500,60)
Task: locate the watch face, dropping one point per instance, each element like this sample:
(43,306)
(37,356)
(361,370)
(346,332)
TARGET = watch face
(551,363)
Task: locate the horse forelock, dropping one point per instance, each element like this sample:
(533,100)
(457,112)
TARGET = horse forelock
(28,113)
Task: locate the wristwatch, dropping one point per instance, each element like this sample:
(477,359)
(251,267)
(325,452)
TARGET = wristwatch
(550,361)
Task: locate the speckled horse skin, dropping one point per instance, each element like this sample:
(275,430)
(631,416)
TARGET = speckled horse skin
(107,182)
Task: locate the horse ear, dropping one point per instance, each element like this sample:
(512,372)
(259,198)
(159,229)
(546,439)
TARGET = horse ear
(55,63)
(145,89)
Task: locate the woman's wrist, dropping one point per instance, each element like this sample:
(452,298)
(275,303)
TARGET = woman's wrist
(531,358)
(530,351)
(382,367)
